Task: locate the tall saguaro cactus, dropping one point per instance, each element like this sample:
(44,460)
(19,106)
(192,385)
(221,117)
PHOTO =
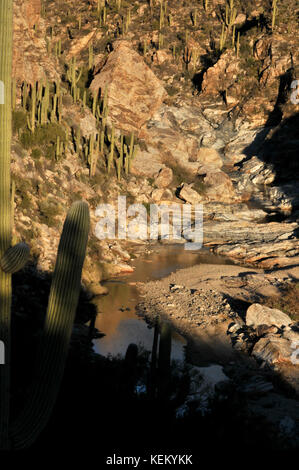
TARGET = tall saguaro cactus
(65,288)
(6,7)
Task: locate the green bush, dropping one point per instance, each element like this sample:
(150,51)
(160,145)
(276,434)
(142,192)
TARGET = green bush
(43,139)
(19,120)
(48,212)
(36,153)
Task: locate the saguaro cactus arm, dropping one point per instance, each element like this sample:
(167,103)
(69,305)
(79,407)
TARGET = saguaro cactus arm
(59,320)
(15,258)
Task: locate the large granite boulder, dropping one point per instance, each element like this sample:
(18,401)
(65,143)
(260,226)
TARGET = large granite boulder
(134,92)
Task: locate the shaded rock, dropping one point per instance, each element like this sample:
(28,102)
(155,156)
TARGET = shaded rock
(134,92)
(98,289)
(281,199)
(262,330)
(256,386)
(276,63)
(222,75)
(272,349)
(262,48)
(254,173)
(258,314)
(259,172)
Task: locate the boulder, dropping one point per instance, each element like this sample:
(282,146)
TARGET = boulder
(273,349)
(210,157)
(222,75)
(147,163)
(157,194)
(262,48)
(258,314)
(161,56)
(134,92)
(258,172)
(219,187)
(187,194)
(164,178)
(276,63)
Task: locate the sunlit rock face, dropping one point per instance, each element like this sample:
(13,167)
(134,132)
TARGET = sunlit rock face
(134,92)
(31,59)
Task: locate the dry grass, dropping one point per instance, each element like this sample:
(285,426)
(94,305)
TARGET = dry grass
(288,302)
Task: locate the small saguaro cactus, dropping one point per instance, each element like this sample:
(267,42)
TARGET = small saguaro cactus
(230,13)
(130,151)
(73,76)
(31,121)
(111,152)
(274,13)
(187,56)
(90,56)
(24,95)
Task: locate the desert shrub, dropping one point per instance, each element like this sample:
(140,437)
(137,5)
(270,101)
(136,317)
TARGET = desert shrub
(24,190)
(36,153)
(19,120)
(48,212)
(43,140)
(288,301)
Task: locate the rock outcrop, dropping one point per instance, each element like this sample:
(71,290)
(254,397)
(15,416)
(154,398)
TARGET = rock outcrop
(134,92)
(31,61)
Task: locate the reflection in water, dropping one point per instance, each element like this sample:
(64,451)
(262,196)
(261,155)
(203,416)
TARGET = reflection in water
(117,317)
